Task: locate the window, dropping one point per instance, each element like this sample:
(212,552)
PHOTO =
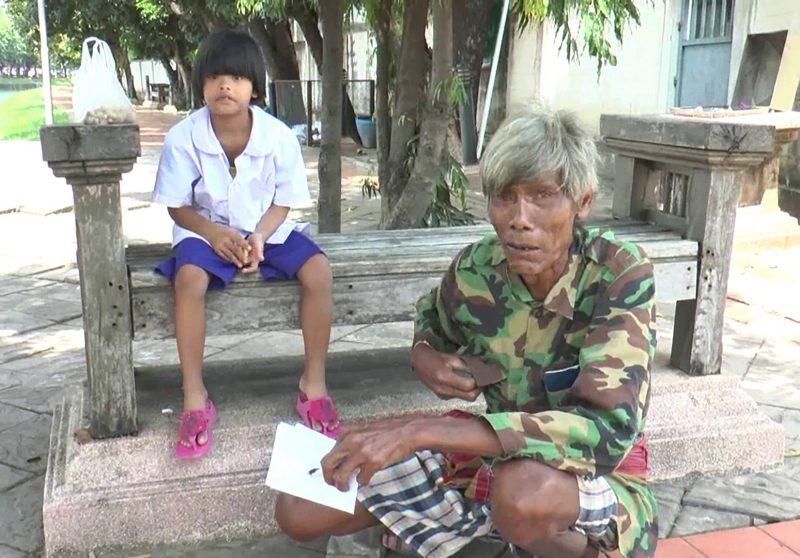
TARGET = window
(708,19)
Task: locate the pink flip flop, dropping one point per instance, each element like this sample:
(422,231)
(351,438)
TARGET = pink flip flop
(194,423)
(319,414)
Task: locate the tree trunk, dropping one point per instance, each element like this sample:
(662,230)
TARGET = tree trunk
(277,46)
(172,76)
(125,62)
(182,93)
(384,40)
(416,197)
(330,155)
(308,21)
(469,32)
(411,73)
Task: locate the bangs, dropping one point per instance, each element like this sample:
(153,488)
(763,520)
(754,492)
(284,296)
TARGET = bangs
(229,59)
(232,53)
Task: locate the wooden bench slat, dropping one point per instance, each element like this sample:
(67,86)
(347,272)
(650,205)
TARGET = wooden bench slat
(421,236)
(359,242)
(258,305)
(378,275)
(431,259)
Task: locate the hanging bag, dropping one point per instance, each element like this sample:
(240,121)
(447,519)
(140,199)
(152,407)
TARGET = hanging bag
(97,95)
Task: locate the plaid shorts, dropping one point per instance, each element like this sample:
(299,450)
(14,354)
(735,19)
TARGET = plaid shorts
(413,500)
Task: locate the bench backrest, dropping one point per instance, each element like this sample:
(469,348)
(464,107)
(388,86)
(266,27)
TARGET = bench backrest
(378,275)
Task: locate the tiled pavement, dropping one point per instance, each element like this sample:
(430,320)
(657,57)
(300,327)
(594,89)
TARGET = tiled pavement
(41,343)
(778,540)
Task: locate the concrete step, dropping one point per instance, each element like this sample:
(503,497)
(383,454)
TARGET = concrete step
(768,226)
(132,491)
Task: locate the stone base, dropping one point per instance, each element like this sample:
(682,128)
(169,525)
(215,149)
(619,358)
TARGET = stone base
(773,225)
(133,492)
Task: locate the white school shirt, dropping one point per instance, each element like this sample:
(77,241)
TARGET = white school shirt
(194,171)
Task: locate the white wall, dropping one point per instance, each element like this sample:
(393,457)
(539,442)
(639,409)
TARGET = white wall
(142,69)
(640,83)
(759,16)
(775,15)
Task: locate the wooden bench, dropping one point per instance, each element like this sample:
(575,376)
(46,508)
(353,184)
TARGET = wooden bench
(378,275)
(158,93)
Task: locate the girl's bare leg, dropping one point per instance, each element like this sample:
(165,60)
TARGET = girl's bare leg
(316,314)
(191,284)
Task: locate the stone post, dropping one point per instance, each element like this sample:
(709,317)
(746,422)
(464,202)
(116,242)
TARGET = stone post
(92,159)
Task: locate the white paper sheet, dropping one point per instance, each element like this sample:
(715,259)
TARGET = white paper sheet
(296,451)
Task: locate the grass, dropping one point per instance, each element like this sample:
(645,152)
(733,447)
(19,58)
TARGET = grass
(22,114)
(5,80)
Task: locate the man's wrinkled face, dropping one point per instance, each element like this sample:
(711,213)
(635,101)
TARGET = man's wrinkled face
(534,221)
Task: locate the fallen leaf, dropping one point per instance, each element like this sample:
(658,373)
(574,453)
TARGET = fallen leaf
(82,436)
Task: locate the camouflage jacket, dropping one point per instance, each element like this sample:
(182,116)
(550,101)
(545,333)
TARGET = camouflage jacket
(567,381)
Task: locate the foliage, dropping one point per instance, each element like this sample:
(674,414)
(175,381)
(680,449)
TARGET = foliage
(451,183)
(589,19)
(15,48)
(22,114)
(453,89)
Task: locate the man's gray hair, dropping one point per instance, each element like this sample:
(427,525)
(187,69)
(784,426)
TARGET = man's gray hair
(538,142)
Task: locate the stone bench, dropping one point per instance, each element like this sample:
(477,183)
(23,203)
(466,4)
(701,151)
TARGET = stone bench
(377,277)
(116,493)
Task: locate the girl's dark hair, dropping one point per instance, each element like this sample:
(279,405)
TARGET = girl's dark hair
(232,53)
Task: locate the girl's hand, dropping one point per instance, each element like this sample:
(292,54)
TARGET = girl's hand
(255,243)
(230,246)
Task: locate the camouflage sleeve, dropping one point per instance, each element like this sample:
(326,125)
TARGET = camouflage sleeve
(433,320)
(601,415)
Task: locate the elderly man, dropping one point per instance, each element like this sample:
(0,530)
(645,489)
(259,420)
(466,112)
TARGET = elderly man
(554,325)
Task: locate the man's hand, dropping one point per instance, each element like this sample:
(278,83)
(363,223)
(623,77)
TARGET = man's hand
(230,246)
(256,243)
(444,374)
(363,450)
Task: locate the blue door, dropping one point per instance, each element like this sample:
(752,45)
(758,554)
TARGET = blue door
(705,53)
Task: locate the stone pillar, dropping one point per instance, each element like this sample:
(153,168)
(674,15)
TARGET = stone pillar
(92,159)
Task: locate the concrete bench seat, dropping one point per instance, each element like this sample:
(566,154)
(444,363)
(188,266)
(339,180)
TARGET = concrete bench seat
(378,275)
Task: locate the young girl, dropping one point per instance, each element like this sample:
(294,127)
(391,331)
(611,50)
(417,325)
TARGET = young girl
(229,174)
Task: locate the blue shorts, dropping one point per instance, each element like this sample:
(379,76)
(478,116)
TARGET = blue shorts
(281,261)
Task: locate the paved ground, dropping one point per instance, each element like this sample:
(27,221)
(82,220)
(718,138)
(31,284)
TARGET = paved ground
(41,352)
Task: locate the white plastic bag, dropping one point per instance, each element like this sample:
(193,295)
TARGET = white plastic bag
(97,95)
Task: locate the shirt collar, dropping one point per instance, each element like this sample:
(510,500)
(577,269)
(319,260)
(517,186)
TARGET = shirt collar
(260,144)
(561,297)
